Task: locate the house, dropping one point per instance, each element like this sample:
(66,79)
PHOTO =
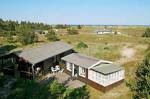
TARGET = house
(31,63)
(100,74)
(42,58)
(105,31)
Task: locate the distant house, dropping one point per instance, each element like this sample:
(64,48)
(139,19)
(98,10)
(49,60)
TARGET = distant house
(42,32)
(100,74)
(104,31)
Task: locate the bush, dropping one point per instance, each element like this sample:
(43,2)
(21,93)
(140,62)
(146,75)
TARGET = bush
(72,31)
(56,89)
(116,32)
(79,27)
(82,45)
(79,93)
(147,33)
(28,38)
(29,89)
(51,36)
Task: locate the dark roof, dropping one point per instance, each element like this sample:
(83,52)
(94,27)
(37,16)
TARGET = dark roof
(105,68)
(36,55)
(80,60)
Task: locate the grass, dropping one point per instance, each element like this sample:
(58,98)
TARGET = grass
(119,92)
(93,38)
(101,51)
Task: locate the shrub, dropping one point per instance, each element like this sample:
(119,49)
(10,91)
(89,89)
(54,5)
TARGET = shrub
(116,32)
(72,31)
(28,38)
(79,27)
(56,89)
(82,45)
(51,36)
(79,93)
(29,89)
(147,33)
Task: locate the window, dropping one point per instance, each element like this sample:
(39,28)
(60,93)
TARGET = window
(82,71)
(69,66)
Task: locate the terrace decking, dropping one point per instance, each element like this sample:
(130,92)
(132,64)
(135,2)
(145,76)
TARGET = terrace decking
(62,77)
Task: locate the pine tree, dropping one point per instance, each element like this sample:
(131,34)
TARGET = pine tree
(141,86)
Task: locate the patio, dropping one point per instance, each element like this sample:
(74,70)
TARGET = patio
(62,77)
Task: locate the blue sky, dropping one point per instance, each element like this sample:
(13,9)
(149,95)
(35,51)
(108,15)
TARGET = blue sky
(119,12)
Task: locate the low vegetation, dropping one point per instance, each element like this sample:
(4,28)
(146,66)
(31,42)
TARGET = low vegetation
(82,45)
(72,31)
(147,33)
(29,89)
(28,38)
(51,36)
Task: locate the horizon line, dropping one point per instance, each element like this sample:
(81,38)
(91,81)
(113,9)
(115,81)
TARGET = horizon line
(75,24)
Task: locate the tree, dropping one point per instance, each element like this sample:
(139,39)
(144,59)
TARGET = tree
(79,27)
(28,38)
(116,32)
(51,36)
(56,89)
(147,33)
(61,26)
(72,31)
(141,86)
(82,45)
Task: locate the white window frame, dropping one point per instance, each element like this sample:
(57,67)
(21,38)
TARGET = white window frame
(82,71)
(68,66)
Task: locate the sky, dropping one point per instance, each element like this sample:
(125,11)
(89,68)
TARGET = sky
(94,12)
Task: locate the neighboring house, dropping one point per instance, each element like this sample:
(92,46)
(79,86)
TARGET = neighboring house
(100,74)
(42,32)
(106,31)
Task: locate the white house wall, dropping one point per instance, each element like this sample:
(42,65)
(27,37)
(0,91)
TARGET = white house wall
(105,80)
